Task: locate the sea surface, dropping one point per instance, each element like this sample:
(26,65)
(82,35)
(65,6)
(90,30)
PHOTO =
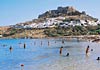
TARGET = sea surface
(43,54)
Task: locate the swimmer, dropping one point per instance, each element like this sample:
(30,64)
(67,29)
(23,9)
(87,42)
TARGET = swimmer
(67,54)
(91,49)
(98,58)
(10,48)
(63,41)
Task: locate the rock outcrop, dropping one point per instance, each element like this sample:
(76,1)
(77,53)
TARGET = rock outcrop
(61,11)
(67,12)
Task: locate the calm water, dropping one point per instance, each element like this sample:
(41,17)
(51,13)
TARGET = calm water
(43,54)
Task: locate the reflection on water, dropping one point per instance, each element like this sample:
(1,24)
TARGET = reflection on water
(43,54)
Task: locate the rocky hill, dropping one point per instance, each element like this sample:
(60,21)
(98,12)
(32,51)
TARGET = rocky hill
(61,11)
(64,21)
(67,12)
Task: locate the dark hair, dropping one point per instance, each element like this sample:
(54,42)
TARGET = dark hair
(88,46)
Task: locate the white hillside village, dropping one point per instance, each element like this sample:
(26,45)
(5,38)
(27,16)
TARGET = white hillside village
(58,21)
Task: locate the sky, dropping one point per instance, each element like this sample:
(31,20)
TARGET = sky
(17,11)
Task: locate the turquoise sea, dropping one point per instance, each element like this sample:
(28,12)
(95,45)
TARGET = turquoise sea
(43,54)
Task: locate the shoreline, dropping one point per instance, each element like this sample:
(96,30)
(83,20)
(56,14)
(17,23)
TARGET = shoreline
(80,37)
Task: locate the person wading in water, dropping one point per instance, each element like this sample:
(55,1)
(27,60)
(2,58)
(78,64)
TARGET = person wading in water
(24,45)
(60,50)
(87,50)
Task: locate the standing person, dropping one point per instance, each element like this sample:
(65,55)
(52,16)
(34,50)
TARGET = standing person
(24,45)
(48,43)
(60,50)
(87,50)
